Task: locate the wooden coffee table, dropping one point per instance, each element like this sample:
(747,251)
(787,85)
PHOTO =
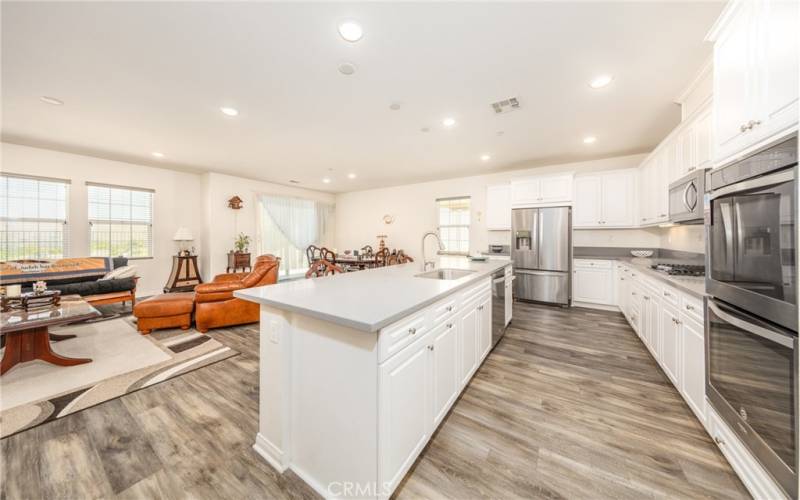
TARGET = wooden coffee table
(27,337)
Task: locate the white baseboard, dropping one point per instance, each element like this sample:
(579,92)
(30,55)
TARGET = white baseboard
(601,307)
(313,483)
(269,452)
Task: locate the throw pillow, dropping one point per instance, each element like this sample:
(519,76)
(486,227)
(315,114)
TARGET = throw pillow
(120,272)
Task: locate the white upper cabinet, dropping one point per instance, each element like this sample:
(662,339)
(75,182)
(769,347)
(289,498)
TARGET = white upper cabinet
(605,200)
(498,207)
(541,190)
(693,141)
(755,75)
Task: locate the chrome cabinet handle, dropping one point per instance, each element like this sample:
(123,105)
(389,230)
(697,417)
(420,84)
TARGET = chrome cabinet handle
(449,325)
(743,127)
(430,347)
(412,331)
(689,308)
(753,123)
(449,308)
(646,297)
(719,441)
(666,294)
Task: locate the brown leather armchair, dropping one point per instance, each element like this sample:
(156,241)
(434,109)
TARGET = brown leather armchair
(215,305)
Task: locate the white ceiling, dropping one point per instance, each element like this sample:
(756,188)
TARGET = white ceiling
(142,77)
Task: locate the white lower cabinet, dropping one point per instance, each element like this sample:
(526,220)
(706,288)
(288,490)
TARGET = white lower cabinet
(404,420)
(418,385)
(671,343)
(444,372)
(693,366)
(469,330)
(593,282)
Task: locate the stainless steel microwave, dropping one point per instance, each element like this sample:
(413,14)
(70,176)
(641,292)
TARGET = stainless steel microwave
(686,198)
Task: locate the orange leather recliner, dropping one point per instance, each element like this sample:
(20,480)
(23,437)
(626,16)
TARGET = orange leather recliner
(215,304)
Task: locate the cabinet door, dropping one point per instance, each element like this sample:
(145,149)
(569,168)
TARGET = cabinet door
(703,139)
(617,200)
(647,192)
(686,140)
(556,188)
(498,207)
(525,192)
(693,366)
(444,369)
(667,160)
(586,211)
(485,321)
(733,81)
(404,413)
(777,57)
(670,343)
(594,286)
(654,325)
(468,345)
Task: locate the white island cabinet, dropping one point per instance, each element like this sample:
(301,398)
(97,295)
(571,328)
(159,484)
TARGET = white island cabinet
(358,370)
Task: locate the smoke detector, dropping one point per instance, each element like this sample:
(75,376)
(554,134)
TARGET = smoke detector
(506,105)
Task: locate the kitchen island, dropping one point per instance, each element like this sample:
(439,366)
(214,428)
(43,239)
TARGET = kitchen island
(358,370)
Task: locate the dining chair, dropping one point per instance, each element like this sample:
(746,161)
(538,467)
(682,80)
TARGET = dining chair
(313,254)
(322,267)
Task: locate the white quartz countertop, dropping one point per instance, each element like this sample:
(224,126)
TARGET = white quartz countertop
(372,299)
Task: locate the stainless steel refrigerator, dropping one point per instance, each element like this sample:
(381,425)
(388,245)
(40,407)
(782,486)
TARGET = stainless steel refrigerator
(540,249)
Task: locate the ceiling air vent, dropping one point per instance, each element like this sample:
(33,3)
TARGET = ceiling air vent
(506,105)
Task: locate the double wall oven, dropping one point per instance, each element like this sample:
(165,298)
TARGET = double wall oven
(751,309)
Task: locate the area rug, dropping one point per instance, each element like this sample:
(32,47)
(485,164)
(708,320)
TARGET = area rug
(124,361)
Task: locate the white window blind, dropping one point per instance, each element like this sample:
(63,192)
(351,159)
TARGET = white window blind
(454,222)
(120,221)
(33,217)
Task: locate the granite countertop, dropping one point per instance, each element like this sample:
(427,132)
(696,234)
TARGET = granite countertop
(372,299)
(693,285)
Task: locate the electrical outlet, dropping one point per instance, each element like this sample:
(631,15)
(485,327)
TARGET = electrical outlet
(274,331)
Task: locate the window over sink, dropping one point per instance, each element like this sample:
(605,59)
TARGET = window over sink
(454,218)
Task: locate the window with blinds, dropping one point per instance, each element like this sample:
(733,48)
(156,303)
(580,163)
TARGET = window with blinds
(120,221)
(33,217)
(454,222)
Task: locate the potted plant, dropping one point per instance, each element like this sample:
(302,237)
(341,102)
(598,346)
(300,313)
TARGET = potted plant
(242,243)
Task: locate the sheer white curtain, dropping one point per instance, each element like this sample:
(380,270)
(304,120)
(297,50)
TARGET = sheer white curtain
(289,225)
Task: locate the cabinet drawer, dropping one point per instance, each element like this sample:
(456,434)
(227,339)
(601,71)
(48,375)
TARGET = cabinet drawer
(444,309)
(473,291)
(692,307)
(395,337)
(670,295)
(593,263)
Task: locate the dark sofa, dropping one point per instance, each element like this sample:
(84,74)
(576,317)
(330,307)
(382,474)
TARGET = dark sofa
(90,286)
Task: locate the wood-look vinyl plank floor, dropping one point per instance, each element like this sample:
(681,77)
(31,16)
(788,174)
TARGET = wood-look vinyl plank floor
(569,405)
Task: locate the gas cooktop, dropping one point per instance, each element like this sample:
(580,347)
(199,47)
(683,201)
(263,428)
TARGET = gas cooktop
(680,269)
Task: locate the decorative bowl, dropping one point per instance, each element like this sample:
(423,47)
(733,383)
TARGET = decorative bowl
(641,253)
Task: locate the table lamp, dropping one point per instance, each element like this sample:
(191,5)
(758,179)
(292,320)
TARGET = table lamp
(182,235)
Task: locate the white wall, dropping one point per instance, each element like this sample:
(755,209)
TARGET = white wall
(684,238)
(176,202)
(360,214)
(196,201)
(223,223)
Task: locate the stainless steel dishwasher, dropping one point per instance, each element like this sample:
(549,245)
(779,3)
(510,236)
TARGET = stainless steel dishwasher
(499,305)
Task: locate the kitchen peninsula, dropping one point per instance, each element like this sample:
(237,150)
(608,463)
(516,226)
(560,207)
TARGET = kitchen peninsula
(359,369)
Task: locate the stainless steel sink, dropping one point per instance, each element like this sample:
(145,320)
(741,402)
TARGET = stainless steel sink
(445,274)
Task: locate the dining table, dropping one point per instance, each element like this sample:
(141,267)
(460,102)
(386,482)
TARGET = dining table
(359,261)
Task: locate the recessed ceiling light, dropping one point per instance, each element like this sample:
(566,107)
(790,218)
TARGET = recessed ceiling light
(351,176)
(52,100)
(589,140)
(601,81)
(351,31)
(394,106)
(294,181)
(347,68)
(326,180)
(229,111)
(158,154)
(500,133)
(449,122)
(485,157)
(425,129)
